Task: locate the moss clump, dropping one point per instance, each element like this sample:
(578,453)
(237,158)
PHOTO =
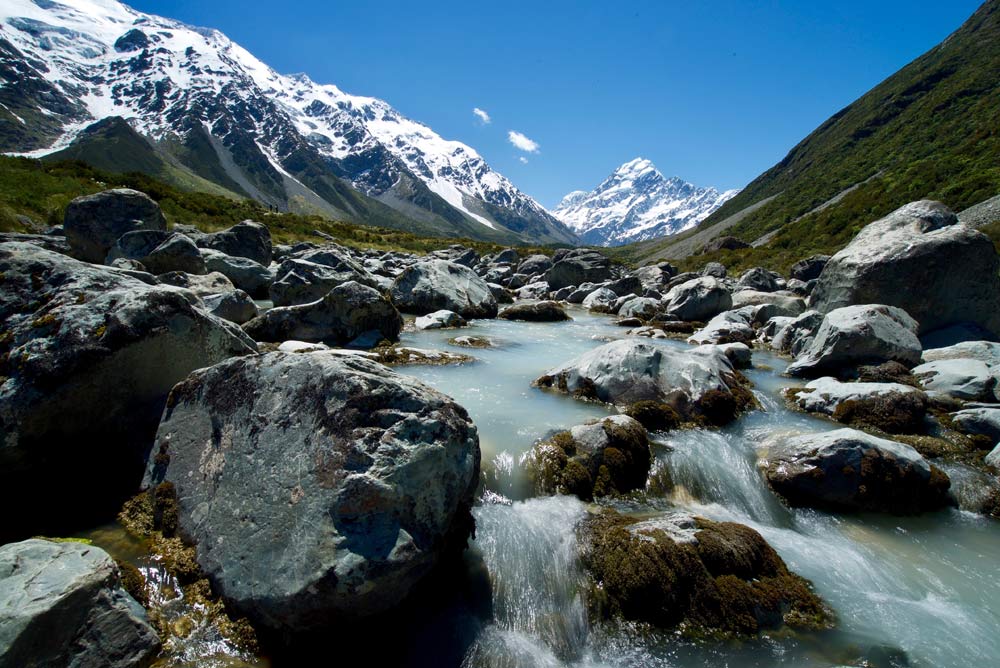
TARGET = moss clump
(887,372)
(46,320)
(893,413)
(726,581)
(133,581)
(717,408)
(654,415)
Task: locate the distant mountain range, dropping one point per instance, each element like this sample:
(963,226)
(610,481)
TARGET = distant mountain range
(98,81)
(931,130)
(637,203)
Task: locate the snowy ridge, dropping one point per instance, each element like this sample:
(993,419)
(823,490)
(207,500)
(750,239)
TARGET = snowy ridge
(636,203)
(164,76)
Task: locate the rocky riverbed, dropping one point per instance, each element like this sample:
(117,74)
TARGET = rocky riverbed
(381,458)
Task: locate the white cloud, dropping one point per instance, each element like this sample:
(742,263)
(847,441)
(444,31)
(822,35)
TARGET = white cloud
(524,161)
(521,142)
(482,115)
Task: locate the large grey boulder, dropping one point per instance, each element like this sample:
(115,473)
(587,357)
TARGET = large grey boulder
(87,357)
(316,487)
(694,382)
(236,306)
(62,605)
(201,285)
(307,276)
(158,252)
(534,264)
(781,304)
(848,469)
(981,421)
(656,276)
(698,299)
(253,278)
(95,222)
(431,286)
(247,239)
(825,395)
(758,279)
(893,408)
(984,351)
(344,314)
(727,327)
(795,336)
(921,259)
(966,379)
(440,320)
(578,266)
(854,335)
(644,308)
(809,268)
(601,300)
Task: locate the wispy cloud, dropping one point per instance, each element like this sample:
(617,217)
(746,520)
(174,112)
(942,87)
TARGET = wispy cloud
(482,115)
(521,142)
(524,161)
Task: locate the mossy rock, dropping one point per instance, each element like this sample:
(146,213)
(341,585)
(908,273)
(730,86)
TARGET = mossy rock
(697,575)
(888,372)
(893,413)
(654,415)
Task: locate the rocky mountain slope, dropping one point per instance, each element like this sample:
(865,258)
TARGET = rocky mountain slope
(636,203)
(928,131)
(203,109)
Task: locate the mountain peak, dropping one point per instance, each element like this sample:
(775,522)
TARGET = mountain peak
(635,168)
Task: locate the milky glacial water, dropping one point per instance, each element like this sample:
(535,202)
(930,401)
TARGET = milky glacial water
(907,591)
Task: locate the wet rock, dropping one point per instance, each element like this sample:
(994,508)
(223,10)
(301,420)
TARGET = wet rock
(440,320)
(889,407)
(235,306)
(87,357)
(370,475)
(698,299)
(809,268)
(545,311)
(578,266)
(95,222)
(982,421)
(346,313)
(856,335)
(253,278)
(848,469)
(966,379)
(62,604)
(472,342)
(431,286)
(677,570)
(700,384)
(603,458)
(247,239)
(920,259)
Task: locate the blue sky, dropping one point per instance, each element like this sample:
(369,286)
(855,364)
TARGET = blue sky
(713,92)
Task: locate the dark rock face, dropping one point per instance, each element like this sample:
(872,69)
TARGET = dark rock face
(236,306)
(133,40)
(605,458)
(247,239)
(316,487)
(547,311)
(94,223)
(578,266)
(758,279)
(920,259)
(62,604)
(159,252)
(724,243)
(809,268)
(848,469)
(301,281)
(346,312)
(87,357)
(674,569)
(432,286)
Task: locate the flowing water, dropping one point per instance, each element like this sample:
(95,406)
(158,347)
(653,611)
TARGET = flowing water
(907,591)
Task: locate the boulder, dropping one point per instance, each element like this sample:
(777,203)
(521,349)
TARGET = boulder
(87,357)
(62,604)
(855,335)
(247,239)
(656,276)
(437,284)
(626,285)
(715,270)
(889,407)
(506,256)
(300,281)
(601,300)
(724,243)
(716,578)
(501,294)
(235,306)
(698,299)
(781,304)
(700,383)
(965,379)
(809,268)
(727,327)
(440,320)
(580,293)
(253,278)
(758,279)
(795,336)
(159,252)
(95,222)
(920,259)
(200,285)
(847,469)
(316,488)
(536,290)
(578,266)
(984,351)
(534,264)
(640,307)
(602,458)
(344,314)
(979,421)
(545,311)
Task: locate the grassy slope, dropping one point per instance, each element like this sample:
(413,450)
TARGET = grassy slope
(41,191)
(932,130)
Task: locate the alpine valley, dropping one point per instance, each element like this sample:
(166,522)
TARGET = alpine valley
(126,91)
(637,203)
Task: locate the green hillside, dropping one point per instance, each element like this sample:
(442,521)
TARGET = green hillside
(928,131)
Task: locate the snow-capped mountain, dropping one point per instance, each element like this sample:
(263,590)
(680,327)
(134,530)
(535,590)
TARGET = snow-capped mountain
(636,203)
(211,109)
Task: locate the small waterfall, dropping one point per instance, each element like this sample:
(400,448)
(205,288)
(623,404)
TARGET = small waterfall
(530,549)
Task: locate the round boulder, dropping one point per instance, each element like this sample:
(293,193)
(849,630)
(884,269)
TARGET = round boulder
(438,284)
(95,222)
